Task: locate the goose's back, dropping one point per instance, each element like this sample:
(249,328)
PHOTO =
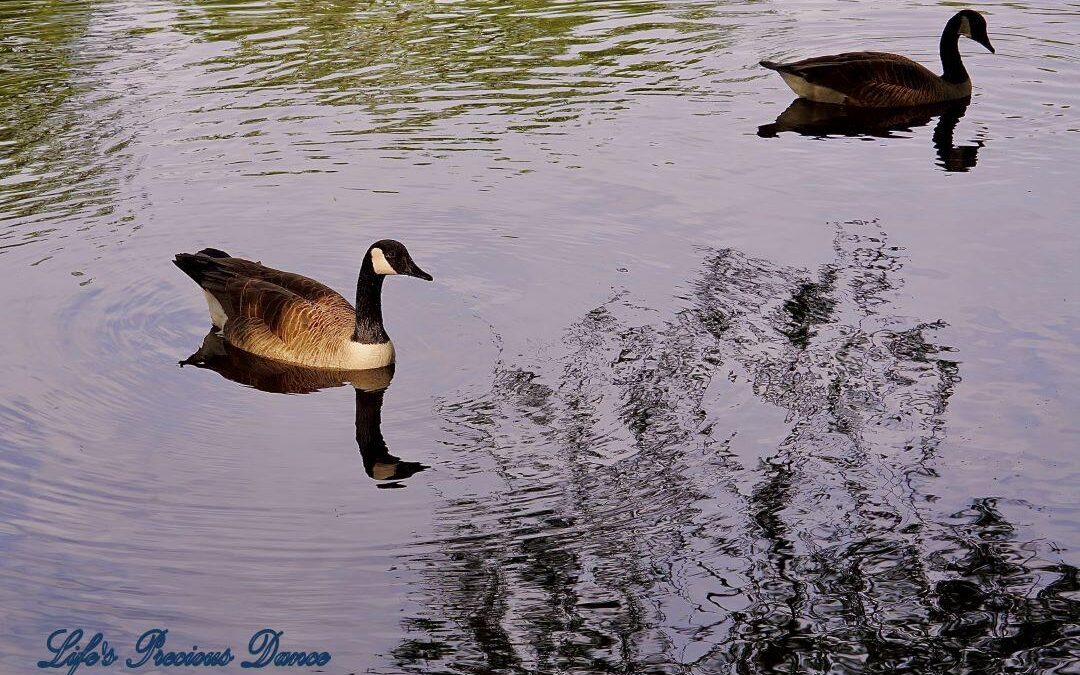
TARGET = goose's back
(872,79)
(298,284)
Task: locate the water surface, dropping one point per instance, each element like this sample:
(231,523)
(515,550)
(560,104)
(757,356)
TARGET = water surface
(696,390)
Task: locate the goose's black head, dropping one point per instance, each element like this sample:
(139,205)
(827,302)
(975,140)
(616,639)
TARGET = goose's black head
(972,25)
(391,257)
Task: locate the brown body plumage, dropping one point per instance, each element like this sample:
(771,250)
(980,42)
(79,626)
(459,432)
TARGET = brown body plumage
(295,319)
(883,80)
(276,376)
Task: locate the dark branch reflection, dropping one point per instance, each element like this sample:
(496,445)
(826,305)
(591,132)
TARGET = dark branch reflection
(282,378)
(649,519)
(820,120)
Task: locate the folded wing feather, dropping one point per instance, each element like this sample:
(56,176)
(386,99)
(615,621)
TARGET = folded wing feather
(876,79)
(280,314)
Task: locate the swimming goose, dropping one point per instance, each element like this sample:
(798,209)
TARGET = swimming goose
(881,80)
(289,317)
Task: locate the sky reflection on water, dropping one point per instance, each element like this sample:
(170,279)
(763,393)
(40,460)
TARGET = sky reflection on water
(684,399)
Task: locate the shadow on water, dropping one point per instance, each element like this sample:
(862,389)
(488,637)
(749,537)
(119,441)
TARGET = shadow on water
(821,120)
(649,519)
(282,378)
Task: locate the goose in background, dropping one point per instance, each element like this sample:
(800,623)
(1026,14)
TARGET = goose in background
(282,378)
(290,318)
(882,80)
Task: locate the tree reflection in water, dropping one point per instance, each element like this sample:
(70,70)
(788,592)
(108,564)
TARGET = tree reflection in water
(743,488)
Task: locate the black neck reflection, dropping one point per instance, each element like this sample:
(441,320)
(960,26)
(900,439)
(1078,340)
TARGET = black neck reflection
(378,462)
(282,378)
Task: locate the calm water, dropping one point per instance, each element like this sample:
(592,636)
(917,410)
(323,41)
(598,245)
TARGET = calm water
(704,384)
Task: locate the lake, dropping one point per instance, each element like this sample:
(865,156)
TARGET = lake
(704,383)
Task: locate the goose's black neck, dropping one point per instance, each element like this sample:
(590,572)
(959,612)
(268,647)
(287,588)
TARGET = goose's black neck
(954,71)
(369,323)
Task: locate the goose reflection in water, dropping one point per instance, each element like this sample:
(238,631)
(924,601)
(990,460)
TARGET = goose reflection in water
(283,378)
(820,120)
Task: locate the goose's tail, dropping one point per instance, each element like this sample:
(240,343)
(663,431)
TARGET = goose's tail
(198,265)
(771,65)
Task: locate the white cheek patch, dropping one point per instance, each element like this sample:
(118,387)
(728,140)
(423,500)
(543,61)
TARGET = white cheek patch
(379,262)
(965,27)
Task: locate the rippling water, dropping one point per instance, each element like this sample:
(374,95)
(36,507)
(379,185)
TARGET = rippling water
(708,381)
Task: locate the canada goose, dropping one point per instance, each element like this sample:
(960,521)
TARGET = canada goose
(881,80)
(291,318)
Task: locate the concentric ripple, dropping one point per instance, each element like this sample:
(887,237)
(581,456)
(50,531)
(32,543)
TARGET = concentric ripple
(656,414)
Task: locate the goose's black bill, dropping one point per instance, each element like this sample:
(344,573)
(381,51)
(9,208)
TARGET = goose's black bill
(414,271)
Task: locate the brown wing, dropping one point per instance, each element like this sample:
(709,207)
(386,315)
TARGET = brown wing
(305,287)
(274,313)
(871,78)
(269,319)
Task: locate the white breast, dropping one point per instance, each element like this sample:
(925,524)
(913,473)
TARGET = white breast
(217,312)
(361,356)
